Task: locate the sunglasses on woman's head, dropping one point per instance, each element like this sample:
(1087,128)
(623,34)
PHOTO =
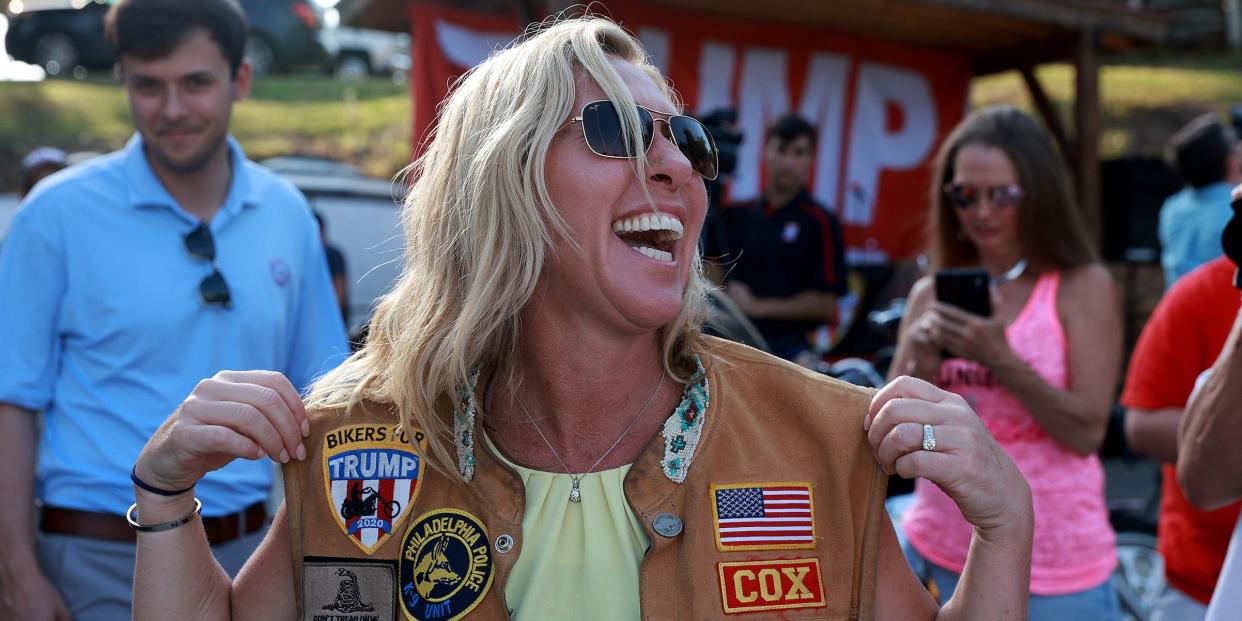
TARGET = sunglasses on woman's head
(601,126)
(965,196)
(212,290)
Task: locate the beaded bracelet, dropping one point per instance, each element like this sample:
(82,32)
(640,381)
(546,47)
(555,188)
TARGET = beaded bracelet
(131,516)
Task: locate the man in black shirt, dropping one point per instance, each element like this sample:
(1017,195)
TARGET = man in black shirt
(791,268)
(336,267)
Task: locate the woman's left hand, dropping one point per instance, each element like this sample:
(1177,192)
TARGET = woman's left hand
(966,461)
(968,335)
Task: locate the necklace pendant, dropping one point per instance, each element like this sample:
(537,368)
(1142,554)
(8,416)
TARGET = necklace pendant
(574,494)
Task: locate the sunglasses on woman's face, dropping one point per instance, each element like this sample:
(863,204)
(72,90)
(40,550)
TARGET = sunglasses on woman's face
(601,126)
(965,196)
(212,290)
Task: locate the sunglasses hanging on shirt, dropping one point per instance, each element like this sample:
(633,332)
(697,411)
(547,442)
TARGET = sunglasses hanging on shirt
(201,246)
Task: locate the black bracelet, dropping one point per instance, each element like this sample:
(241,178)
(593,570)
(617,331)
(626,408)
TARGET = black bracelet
(133,476)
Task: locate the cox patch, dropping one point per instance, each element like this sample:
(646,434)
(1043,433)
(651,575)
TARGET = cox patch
(752,586)
(446,566)
(371,473)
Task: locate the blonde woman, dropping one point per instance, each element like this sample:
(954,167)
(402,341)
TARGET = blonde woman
(538,430)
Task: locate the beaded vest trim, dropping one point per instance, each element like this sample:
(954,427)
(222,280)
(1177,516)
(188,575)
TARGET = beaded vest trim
(682,430)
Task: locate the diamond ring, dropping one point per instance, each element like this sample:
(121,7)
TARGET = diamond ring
(929,438)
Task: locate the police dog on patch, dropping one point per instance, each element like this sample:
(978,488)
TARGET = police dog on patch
(433,568)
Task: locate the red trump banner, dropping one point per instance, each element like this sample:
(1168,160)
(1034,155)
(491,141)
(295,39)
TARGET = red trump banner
(881,108)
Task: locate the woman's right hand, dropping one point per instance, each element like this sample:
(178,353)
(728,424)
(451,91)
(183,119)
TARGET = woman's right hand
(234,414)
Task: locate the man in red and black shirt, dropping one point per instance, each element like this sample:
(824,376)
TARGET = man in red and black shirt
(791,266)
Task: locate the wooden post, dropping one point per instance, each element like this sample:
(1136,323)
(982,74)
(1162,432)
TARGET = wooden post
(1087,124)
(1049,114)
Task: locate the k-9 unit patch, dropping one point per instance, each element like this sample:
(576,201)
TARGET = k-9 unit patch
(347,589)
(445,567)
(752,586)
(763,516)
(371,473)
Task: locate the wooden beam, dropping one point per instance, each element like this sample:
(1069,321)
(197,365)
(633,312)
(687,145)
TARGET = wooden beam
(1049,114)
(1040,52)
(1087,125)
(1074,14)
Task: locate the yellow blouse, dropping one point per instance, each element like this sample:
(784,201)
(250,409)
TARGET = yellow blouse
(579,560)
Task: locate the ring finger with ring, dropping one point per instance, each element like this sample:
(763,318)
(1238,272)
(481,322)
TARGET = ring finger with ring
(906,438)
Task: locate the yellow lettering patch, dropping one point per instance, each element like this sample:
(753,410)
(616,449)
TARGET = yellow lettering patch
(751,586)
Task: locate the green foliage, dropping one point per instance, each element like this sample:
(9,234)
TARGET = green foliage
(366,123)
(1144,99)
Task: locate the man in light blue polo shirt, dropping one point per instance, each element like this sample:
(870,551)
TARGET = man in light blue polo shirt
(1205,154)
(123,283)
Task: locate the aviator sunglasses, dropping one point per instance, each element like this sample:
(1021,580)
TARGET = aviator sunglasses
(965,196)
(212,290)
(601,126)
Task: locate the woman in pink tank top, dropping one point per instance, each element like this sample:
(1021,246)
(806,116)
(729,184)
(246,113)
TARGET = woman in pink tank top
(1040,372)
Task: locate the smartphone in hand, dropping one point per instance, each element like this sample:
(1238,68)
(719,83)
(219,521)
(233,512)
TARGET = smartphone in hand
(967,289)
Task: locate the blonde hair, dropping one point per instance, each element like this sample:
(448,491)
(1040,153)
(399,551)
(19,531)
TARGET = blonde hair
(476,223)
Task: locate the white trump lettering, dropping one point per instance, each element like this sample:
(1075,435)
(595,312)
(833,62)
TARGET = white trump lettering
(823,104)
(373,465)
(873,147)
(763,95)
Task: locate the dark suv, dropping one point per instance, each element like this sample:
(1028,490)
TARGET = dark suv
(283,35)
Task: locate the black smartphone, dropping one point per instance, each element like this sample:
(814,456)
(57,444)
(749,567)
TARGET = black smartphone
(966,289)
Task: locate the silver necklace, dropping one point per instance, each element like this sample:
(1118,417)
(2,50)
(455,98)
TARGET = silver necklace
(575,493)
(1011,274)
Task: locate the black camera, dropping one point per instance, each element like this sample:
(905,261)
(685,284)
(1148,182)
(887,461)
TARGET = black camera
(715,240)
(1231,241)
(722,123)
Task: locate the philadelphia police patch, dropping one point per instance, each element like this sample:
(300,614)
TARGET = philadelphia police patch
(445,567)
(371,473)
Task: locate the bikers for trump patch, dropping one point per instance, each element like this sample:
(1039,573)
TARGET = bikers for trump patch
(445,567)
(347,589)
(763,516)
(371,473)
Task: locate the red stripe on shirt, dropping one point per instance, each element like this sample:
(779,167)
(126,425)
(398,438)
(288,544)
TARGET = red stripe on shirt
(825,227)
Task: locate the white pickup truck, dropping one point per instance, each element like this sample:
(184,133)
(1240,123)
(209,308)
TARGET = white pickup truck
(358,52)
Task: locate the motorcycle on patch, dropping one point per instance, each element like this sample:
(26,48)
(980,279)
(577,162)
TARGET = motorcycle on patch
(364,501)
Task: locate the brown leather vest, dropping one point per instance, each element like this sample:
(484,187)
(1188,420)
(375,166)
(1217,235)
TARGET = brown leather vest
(377,534)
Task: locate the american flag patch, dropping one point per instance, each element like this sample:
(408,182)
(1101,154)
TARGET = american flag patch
(764,516)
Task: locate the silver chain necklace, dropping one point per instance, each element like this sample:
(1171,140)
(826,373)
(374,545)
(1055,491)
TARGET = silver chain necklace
(575,493)
(1011,274)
